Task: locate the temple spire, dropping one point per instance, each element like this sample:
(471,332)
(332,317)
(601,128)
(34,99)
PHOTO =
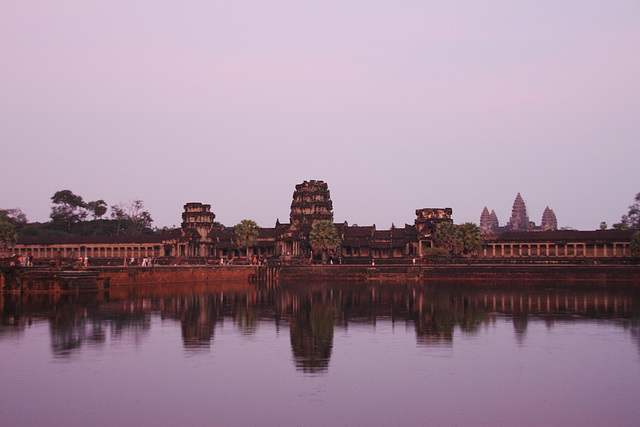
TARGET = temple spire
(549,221)
(519,220)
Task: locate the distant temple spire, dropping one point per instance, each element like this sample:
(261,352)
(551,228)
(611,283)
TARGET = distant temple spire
(485,221)
(489,221)
(549,222)
(519,220)
(494,221)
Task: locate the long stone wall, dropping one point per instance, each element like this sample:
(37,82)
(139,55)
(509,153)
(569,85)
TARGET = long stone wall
(125,276)
(97,278)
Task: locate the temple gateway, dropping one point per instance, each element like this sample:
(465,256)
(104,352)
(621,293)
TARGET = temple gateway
(200,236)
(201,240)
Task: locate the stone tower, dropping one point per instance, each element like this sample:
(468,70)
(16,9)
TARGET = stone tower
(197,217)
(489,221)
(519,220)
(311,203)
(427,220)
(549,222)
(495,224)
(485,221)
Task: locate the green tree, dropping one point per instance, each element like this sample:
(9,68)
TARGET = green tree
(8,235)
(14,216)
(465,238)
(139,217)
(131,218)
(68,208)
(118,215)
(635,244)
(324,238)
(435,254)
(446,236)
(470,238)
(603,225)
(632,218)
(97,208)
(246,234)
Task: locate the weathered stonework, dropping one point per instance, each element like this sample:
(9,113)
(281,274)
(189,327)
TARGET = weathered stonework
(199,218)
(311,203)
(427,220)
(519,219)
(549,222)
(485,221)
(494,220)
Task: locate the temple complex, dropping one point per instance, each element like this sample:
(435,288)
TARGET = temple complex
(201,240)
(519,220)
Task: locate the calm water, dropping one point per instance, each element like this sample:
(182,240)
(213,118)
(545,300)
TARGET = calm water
(323,355)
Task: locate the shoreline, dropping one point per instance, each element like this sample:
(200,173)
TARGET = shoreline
(102,278)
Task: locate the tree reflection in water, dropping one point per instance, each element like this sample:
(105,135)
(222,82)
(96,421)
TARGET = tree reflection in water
(311,332)
(312,310)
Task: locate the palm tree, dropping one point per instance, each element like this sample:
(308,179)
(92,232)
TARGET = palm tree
(464,238)
(324,238)
(446,236)
(8,235)
(470,238)
(247,234)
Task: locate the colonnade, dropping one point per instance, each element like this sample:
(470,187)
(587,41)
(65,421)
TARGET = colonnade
(91,251)
(549,249)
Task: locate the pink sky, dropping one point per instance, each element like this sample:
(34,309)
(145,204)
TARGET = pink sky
(396,106)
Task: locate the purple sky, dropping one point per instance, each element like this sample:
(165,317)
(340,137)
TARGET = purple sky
(396,105)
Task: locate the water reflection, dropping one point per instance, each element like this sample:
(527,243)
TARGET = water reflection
(311,330)
(312,312)
(197,315)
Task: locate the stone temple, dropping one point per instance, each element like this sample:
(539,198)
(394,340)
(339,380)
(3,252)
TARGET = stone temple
(201,240)
(519,220)
(311,203)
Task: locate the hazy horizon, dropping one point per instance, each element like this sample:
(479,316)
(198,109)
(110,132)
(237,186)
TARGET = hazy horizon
(395,106)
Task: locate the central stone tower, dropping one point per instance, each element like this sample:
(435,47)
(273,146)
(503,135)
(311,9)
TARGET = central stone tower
(519,219)
(311,203)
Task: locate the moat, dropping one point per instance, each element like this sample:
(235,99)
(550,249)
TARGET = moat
(313,353)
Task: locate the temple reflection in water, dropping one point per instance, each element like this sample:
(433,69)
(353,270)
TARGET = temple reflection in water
(311,312)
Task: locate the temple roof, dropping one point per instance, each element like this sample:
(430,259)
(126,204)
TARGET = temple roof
(365,231)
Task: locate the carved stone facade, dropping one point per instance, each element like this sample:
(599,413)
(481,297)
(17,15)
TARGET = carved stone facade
(199,218)
(427,220)
(311,203)
(549,222)
(485,221)
(519,220)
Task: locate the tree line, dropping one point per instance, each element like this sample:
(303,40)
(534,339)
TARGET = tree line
(71,215)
